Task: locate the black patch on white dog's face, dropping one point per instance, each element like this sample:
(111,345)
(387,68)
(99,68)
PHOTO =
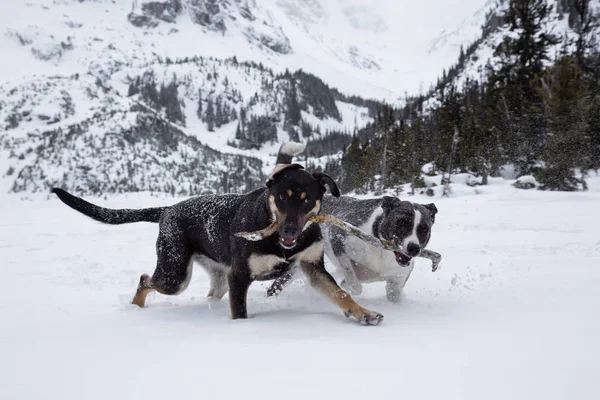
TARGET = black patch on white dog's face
(408,225)
(294,196)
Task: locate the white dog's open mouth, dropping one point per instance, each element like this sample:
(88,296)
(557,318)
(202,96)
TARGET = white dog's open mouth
(402,259)
(287,242)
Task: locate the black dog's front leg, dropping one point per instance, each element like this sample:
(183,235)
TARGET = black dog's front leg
(239,282)
(321,280)
(279,283)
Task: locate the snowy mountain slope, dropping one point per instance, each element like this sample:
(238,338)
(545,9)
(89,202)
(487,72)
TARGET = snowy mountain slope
(117,132)
(248,88)
(377,49)
(83,66)
(493,30)
(449,41)
(511,313)
(75,132)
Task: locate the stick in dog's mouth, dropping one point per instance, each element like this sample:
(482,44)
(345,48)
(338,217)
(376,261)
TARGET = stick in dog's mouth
(259,235)
(321,218)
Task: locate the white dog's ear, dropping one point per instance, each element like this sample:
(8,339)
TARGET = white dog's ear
(432,210)
(390,202)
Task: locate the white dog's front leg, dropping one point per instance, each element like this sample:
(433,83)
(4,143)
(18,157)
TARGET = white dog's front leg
(350,282)
(393,290)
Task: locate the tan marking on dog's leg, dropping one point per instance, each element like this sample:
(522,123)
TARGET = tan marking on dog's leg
(312,253)
(142,291)
(324,283)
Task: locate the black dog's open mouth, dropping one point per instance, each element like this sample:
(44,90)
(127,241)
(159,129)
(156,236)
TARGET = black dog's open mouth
(288,242)
(402,259)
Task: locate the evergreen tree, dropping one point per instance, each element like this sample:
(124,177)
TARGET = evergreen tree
(306,129)
(148,91)
(199,110)
(219,112)
(385,122)
(448,118)
(584,21)
(134,87)
(522,58)
(238,132)
(170,102)
(293,115)
(353,175)
(209,116)
(564,87)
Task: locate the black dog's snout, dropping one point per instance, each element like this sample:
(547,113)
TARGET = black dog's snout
(290,229)
(413,249)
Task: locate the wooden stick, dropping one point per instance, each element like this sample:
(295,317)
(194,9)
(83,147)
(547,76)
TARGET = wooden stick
(258,235)
(373,241)
(255,236)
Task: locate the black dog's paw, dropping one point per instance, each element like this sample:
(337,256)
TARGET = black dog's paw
(364,316)
(273,291)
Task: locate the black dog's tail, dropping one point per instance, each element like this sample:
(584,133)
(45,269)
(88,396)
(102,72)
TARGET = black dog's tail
(107,215)
(288,150)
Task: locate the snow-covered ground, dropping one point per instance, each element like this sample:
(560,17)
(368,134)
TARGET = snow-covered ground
(512,313)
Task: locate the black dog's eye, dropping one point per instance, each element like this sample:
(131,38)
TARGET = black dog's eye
(306,200)
(282,197)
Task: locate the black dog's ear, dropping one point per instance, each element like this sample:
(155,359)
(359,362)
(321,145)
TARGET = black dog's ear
(390,202)
(432,210)
(325,179)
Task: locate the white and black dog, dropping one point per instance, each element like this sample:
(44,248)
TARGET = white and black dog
(203,227)
(406,223)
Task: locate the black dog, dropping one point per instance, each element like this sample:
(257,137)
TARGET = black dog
(202,228)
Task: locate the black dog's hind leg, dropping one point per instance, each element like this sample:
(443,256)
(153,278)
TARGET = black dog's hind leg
(173,269)
(143,289)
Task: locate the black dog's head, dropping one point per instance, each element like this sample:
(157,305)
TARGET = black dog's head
(294,196)
(408,225)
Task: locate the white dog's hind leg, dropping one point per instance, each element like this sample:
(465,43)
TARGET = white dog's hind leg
(218,284)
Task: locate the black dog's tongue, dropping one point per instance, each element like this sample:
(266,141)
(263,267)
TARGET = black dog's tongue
(288,241)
